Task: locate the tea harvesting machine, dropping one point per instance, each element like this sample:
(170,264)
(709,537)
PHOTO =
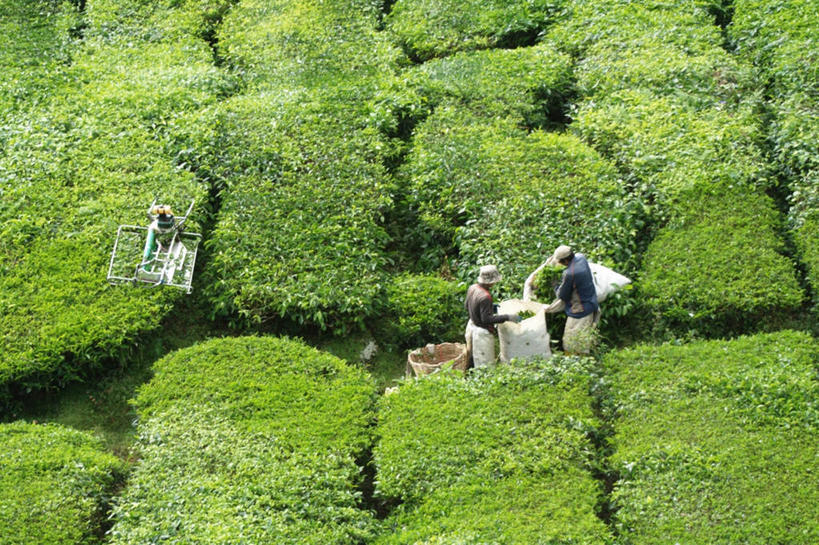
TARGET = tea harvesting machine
(162,253)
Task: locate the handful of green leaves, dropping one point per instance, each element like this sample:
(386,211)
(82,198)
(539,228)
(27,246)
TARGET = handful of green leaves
(546,280)
(525,314)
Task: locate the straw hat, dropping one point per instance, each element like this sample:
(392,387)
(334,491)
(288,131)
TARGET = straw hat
(489,275)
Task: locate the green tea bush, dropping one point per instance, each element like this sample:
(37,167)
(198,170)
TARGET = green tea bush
(671,148)
(498,194)
(292,45)
(680,119)
(300,162)
(779,39)
(670,49)
(550,508)
(249,439)
(299,233)
(35,49)
(548,189)
(94,156)
(530,84)
(422,309)
(715,440)
(55,485)
(446,170)
(465,455)
(685,25)
(721,267)
(426,29)
(698,79)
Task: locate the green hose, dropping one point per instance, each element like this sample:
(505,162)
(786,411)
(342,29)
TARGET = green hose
(150,248)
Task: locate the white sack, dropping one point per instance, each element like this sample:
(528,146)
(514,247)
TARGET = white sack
(526,339)
(606,281)
(481,344)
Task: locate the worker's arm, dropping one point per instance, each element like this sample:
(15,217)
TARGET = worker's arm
(564,290)
(488,315)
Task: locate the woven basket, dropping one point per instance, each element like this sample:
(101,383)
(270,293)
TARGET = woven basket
(433,357)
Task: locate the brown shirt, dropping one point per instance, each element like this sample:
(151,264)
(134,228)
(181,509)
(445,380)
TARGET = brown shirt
(480,308)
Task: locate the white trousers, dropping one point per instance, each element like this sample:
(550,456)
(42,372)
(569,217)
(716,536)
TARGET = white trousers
(481,344)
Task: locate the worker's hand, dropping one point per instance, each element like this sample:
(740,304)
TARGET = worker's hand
(515,318)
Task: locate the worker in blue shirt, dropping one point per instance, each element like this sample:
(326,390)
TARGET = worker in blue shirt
(579,295)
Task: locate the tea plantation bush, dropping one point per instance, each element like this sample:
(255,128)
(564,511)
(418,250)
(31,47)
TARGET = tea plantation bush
(55,484)
(308,44)
(666,103)
(249,439)
(422,309)
(716,441)
(721,268)
(426,28)
(498,457)
(35,48)
(554,190)
(300,163)
(672,149)
(780,39)
(530,84)
(94,156)
(488,190)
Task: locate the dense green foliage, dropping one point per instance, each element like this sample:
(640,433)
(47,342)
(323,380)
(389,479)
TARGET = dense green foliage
(249,439)
(54,485)
(489,185)
(714,271)
(422,309)
(354,162)
(779,38)
(35,47)
(667,103)
(299,160)
(430,28)
(498,457)
(91,156)
(716,441)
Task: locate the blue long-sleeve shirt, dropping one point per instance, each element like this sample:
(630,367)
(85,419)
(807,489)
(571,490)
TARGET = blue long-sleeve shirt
(578,278)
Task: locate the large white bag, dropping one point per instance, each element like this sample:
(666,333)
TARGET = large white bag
(606,281)
(526,339)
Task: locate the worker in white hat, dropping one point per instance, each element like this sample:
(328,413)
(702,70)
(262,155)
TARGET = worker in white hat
(480,330)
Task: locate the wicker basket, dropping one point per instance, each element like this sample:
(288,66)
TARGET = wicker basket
(433,357)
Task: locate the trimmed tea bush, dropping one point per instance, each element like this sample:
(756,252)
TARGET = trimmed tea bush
(293,45)
(529,84)
(422,309)
(671,148)
(299,237)
(501,195)
(466,454)
(92,157)
(547,189)
(780,39)
(55,484)
(685,25)
(720,267)
(35,48)
(716,440)
(250,439)
(668,106)
(428,28)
